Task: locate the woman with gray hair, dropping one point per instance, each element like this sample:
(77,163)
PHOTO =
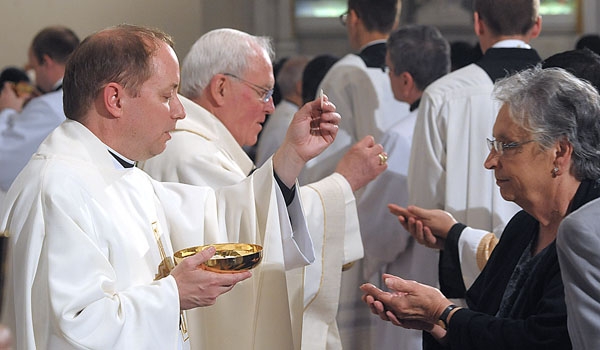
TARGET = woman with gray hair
(544,159)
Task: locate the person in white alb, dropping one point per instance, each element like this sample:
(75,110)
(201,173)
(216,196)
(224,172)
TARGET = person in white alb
(360,88)
(358,85)
(92,236)
(23,130)
(416,56)
(228,98)
(456,114)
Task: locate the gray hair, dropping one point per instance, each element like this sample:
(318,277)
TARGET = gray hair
(219,51)
(553,105)
(420,50)
(290,74)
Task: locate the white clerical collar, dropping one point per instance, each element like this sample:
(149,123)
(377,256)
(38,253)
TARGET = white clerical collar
(57,85)
(379,41)
(511,44)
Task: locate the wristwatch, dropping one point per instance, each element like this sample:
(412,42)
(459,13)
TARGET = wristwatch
(443,322)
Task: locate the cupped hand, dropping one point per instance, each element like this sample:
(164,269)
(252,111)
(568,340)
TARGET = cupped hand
(408,303)
(199,287)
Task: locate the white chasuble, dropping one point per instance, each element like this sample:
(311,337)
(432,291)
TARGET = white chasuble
(203,152)
(88,239)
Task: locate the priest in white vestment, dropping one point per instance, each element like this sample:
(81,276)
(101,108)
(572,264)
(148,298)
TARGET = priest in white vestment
(456,115)
(359,87)
(90,260)
(23,126)
(228,104)
(416,56)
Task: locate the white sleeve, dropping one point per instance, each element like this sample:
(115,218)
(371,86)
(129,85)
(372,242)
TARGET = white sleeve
(426,183)
(298,247)
(474,248)
(22,135)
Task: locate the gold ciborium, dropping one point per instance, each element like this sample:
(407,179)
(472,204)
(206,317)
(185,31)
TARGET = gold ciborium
(229,257)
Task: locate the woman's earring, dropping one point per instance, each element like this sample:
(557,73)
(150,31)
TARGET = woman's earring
(555,171)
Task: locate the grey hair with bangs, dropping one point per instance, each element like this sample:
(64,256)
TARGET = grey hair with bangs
(553,105)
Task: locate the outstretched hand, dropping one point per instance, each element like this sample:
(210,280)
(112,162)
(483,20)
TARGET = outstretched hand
(429,227)
(199,287)
(408,304)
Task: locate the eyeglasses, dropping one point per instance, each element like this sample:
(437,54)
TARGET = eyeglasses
(344,18)
(499,146)
(264,93)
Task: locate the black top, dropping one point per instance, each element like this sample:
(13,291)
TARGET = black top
(538,316)
(288,193)
(415,105)
(122,161)
(374,55)
(501,62)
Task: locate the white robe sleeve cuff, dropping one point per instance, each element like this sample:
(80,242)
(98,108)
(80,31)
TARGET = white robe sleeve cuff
(353,247)
(468,245)
(298,250)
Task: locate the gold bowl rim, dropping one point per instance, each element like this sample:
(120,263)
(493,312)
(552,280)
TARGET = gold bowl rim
(250,255)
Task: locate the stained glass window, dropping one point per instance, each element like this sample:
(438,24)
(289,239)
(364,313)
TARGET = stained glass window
(320,8)
(558,7)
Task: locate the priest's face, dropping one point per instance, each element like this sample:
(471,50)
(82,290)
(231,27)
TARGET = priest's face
(152,114)
(246,108)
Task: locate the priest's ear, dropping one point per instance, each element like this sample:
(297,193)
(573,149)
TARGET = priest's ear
(113,95)
(218,88)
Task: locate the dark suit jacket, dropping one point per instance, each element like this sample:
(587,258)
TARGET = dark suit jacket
(578,247)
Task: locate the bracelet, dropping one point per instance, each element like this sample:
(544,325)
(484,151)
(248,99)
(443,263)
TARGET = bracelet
(443,322)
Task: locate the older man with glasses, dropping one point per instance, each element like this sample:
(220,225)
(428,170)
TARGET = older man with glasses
(227,78)
(265,94)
